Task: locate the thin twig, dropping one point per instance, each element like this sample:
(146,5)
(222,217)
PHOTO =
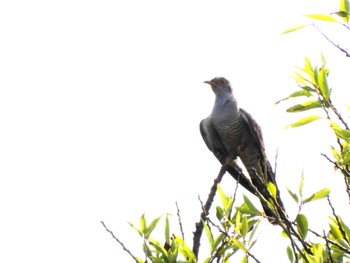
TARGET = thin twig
(120,243)
(179,219)
(199,225)
(330,41)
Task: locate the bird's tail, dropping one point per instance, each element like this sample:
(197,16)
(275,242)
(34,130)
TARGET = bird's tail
(275,211)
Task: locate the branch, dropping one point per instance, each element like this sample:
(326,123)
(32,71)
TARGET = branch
(116,239)
(199,226)
(180,223)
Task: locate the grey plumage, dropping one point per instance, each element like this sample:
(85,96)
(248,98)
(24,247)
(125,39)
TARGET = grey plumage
(231,132)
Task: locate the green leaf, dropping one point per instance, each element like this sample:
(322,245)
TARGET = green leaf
(185,250)
(304,121)
(303,226)
(223,197)
(322,17)
(290,254)
(293,195)
(289,30)
(298,93)
(154,243)
(301,184)
(239,244)
(209,235)
(322,82)
(253,232)
(244,259)
(244,226)
(218,241)
(341,133)
(312,104)
(335,153)
(309,70)
(151,227)
(143,223)
(219,213)
(167,230)
(272,189)
(251,209)
(135,228)
(316,196)
(346,229)
(334,229)
(344,10)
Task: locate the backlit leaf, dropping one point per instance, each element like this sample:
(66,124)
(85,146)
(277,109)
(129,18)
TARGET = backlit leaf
(322,82)
(312,104)
(272,189)
(151,227)
(290,254)
(303,226)
(289,30)
(293,195)
(344,10)
(319,195)
(322,17)
(304,121)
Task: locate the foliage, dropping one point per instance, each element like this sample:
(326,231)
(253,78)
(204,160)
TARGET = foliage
(233,229)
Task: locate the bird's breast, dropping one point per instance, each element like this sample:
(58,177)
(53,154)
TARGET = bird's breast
(231,129)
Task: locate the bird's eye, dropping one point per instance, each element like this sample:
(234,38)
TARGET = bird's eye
(222,81)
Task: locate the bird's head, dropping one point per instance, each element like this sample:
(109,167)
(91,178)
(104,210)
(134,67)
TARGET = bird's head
(220,85)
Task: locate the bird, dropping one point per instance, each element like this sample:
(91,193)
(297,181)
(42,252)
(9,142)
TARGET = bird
(230,133)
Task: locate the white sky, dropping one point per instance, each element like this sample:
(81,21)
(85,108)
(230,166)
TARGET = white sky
(100,105)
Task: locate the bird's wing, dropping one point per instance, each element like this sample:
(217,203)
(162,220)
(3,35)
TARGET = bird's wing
(212,140)
(255,130)
(215,145)
(258,140)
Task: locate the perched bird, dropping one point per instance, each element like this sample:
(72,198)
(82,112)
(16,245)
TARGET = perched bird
(230,132)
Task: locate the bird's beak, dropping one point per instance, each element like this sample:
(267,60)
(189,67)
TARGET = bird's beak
(211,83)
